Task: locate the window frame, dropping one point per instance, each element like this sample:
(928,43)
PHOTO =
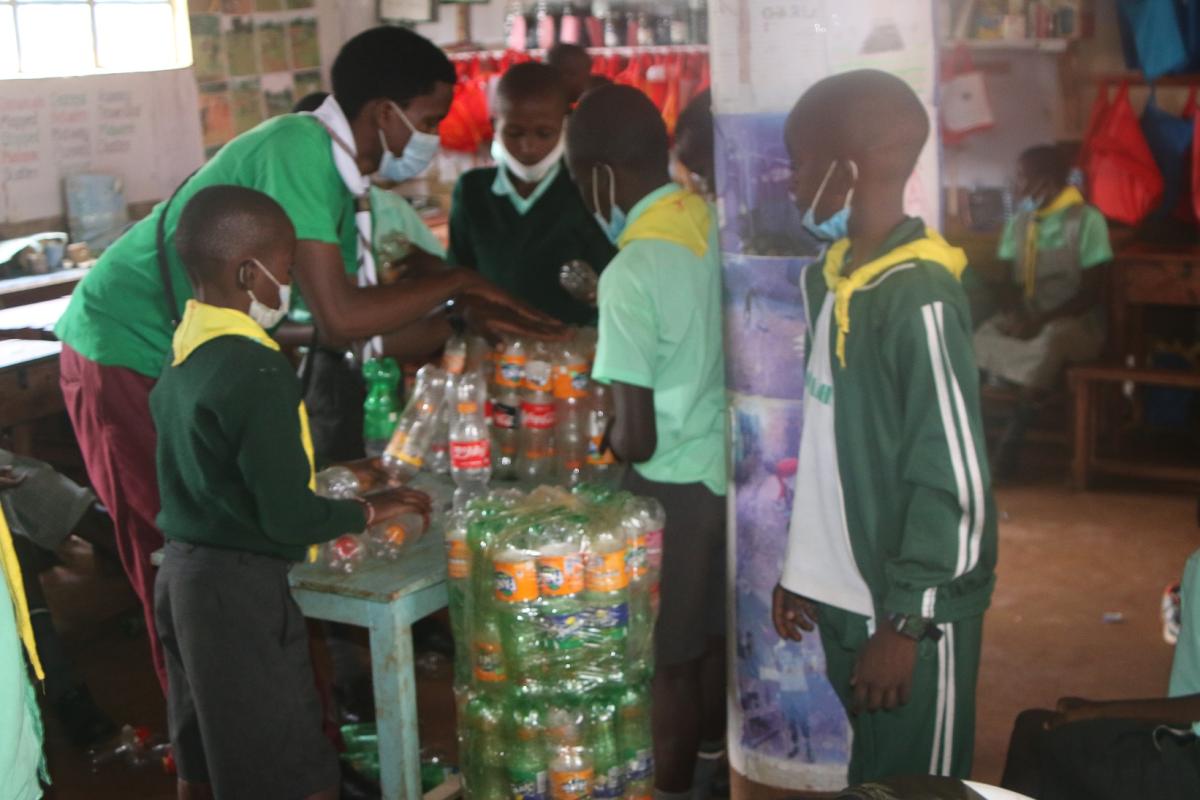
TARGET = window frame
(180,31)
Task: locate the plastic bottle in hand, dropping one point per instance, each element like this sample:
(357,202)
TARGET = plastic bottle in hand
(344,554)
(337,483)
(506,407)
(470,444)
(381,409)
(388,539)
(579,280)
(538,417)
(406,452)
(601,464)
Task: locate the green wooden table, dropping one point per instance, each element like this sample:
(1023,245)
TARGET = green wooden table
(387,597)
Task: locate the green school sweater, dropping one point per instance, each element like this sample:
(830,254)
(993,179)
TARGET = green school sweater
(234,455)
(911,453)
(523,253)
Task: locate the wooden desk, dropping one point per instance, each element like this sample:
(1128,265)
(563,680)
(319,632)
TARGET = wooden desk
(1147,275)
(32,321)
(21,291)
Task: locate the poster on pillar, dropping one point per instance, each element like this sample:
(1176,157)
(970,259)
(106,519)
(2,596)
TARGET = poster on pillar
(787,727)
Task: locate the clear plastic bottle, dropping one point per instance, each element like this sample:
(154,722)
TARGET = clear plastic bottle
(609,781)
(570,397)
(538,417)
(406,452)
(454,362)
(561,584)
(571,772)
(458,569)
(607,597)
(344,554)
(338,483)
(516,594)
(526,757)
(470,444)
(601,464)
(506,406)
(388,539)
(636,742)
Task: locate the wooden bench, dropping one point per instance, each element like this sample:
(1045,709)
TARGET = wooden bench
(1086,462)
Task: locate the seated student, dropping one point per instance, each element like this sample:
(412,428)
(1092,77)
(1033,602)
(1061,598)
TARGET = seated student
(575,65)
(660,347)
(694,145)
(521,220)
(235,472)
(1052,315)
(892,544)
(1119,749)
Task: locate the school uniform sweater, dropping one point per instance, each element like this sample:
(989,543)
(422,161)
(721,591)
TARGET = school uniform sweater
(235,467)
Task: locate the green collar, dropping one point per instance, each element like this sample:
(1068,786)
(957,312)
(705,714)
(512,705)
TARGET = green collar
(503,186)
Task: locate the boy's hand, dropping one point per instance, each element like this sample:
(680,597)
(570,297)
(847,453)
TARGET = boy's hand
(397,502)
(883,676)
(792,614)
(1072,709)
(486,299)
(10,479)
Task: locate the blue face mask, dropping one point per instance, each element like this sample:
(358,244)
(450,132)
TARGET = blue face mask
(1027,205)
(614,227)
(837,226)
(417,156)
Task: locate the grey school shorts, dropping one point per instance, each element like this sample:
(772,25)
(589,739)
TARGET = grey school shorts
(242,708)
(692,584)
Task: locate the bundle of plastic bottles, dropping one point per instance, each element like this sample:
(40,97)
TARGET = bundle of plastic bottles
(387,539)
(525,411)
(553,596)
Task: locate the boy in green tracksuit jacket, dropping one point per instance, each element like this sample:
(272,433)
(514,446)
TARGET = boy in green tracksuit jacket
(892,545)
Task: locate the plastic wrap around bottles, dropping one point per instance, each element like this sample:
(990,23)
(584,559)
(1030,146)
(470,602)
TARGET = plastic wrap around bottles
(553,597)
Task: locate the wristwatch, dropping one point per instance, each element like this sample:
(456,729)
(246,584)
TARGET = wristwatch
(915,628)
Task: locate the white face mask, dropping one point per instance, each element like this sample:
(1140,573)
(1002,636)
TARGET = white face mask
(529,173)
(417,156)
(262,313)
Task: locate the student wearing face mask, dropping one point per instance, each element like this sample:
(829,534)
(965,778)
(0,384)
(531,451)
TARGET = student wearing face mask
(236,471)
(1055,248)
(892,542)
(660,347)
(391,87)
(518,222)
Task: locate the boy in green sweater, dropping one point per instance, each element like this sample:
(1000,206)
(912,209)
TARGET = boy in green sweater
(236,479)
(892,545)
(521,220)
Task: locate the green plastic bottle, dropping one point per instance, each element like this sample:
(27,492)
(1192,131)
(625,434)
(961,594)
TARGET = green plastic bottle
(636,741)
(381,409)
(609,766)
(528,762)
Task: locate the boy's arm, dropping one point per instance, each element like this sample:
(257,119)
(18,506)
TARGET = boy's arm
(943,458)
(1178,711)
(634,434)
(276,468)
(459,252)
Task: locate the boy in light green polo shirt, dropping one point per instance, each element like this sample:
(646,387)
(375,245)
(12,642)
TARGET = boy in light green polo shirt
(660,347)
(1051,315)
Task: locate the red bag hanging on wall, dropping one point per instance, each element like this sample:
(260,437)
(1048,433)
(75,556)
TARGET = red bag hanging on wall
(1122,177)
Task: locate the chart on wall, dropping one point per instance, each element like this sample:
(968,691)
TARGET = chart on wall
(136,127)
(253,60)
(787,726)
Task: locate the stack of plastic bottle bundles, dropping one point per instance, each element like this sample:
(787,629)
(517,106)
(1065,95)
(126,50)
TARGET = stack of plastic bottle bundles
(553,597)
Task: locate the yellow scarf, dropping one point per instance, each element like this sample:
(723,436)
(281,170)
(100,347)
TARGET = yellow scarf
(202,323)
(16,591)
(931,248)
(1067,198)
(680,217)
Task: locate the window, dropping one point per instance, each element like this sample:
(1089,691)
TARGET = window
(41,38)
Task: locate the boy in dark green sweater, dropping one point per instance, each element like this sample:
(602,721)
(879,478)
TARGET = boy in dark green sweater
(521,220)
(235,474)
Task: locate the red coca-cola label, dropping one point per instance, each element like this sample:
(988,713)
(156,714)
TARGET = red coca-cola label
(537,416)
(471,455)
(505,417)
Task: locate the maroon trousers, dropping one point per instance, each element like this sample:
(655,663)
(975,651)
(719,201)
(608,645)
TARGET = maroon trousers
(110,411)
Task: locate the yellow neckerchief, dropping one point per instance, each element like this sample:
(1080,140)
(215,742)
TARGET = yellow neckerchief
(202,323)
(16,589)
(1067,198)
(678,216)
(930,248)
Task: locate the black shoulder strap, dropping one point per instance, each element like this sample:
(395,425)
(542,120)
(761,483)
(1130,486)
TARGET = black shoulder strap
(164,268)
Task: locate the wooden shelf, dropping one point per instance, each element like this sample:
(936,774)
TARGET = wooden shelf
(1054,46)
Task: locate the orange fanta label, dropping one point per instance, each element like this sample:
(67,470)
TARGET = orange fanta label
(606,572)
(573,784)
(516,578)
(560,575)
(458,558)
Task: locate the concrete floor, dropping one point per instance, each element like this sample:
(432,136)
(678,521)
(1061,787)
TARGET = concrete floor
(1065,560)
